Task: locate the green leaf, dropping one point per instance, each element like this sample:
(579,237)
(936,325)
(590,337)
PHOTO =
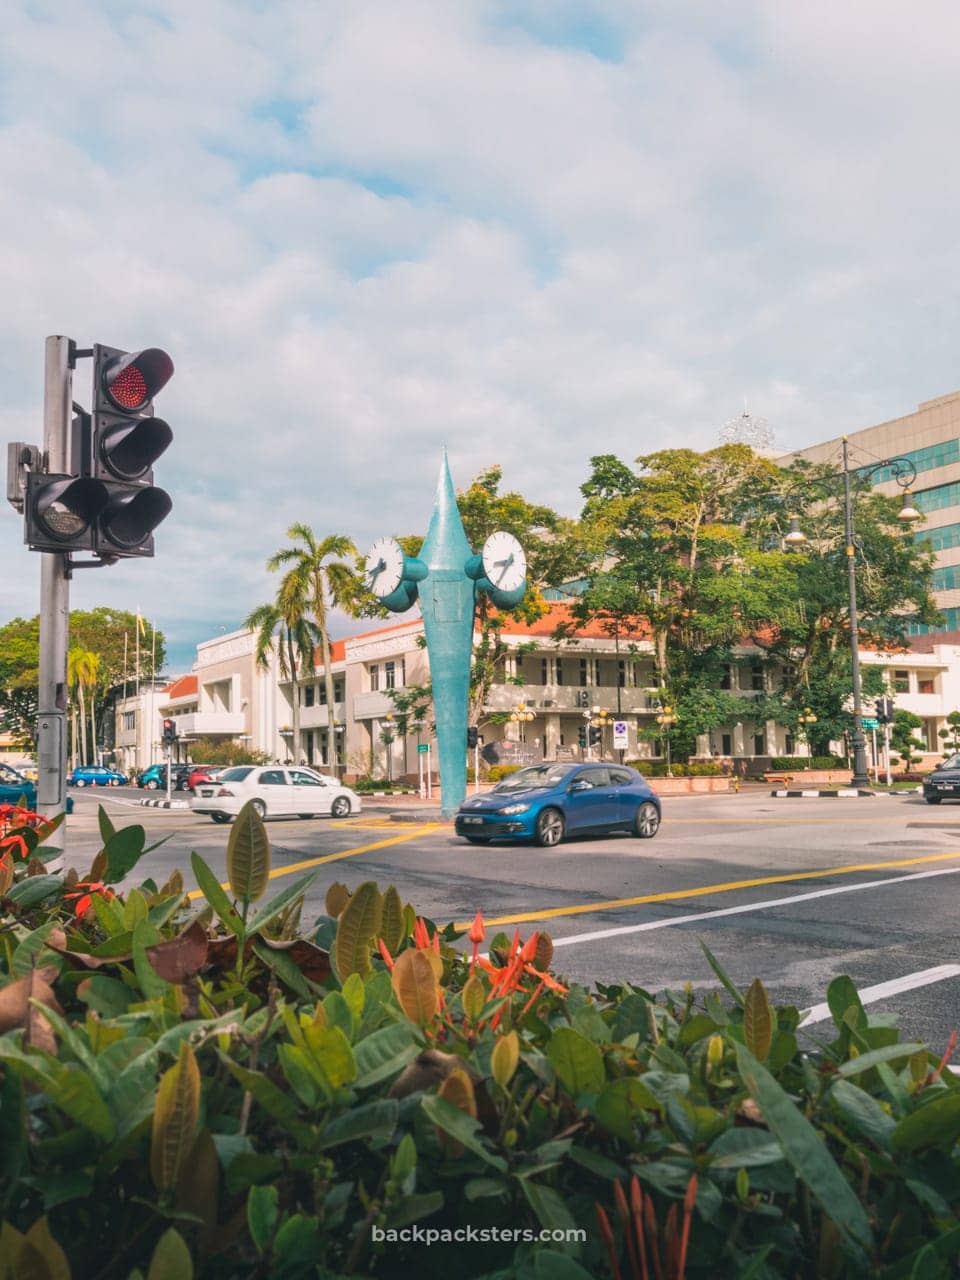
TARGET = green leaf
(285,968)
(330,1049)
(549,1206)
(262,1213)
(805,1150)
(757,1020)
(721,973)
(744,1149)
(75,1093)
(28,952)
(171,1258)
(933,1124)
(124,850)
(151,984)
(414,1207)
(357,929)
(107,829)
(34,890)
(248,855)
(281,901)
(383,1053)
(371,1122)
(274,1101)
(619,1106)
(577,1061)
(460,1126)
(842,995)
(214,894)
(354,994)
(864,1115)
(856,1066)
(301,1073)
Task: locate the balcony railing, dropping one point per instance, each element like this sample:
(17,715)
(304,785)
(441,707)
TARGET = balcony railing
(202,724)
(544,699)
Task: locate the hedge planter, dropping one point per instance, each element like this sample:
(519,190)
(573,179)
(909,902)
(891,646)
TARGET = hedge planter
(220,1089)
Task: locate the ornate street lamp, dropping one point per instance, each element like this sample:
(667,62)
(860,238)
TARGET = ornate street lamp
(521,716)
(806,717)
(904,473)
(666,720)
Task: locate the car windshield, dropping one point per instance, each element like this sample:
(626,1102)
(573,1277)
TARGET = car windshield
(953,762)
(237,774)
(540,775)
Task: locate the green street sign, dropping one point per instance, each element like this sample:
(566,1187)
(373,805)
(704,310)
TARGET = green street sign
(869,723)
(423,748)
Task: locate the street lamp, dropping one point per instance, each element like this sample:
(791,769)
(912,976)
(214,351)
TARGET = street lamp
(805,718)
(521,716)
(666,720)
(600,717)
(904,473)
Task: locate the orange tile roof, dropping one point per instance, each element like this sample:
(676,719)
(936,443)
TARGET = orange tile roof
(561,615)
(184,687)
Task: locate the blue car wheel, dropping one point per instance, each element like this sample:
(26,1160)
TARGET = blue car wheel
(646,821)
(550,828)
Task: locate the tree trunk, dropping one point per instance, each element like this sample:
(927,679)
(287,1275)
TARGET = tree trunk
(93,721)
(83,725)
(295,697)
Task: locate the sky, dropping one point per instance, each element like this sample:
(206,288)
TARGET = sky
(529,230)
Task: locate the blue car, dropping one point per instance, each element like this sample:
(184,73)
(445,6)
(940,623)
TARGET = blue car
(95,775)
(14,787)
(549,801)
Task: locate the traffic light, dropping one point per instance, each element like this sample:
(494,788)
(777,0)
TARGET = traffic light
(582,735)
(169,730)
(61,512)
(596,734)
(473,736)
(885,710)
(125,440)
(583,697)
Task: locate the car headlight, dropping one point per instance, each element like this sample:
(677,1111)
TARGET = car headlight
(515,808)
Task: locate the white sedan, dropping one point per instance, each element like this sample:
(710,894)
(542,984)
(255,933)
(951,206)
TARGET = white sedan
(275,792)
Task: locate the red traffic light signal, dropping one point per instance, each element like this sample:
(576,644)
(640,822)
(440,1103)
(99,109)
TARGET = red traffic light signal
(132,378)
(169,731)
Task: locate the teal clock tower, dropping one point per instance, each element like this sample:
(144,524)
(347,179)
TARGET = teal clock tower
(445,578)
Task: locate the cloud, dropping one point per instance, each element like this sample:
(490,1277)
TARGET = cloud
(531,232)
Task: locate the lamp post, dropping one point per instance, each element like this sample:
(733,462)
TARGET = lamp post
(805,718)
(599,718)
(666,720)
(521,716)
(904,473)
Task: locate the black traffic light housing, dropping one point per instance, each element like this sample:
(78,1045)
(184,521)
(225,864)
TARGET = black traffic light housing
(61,512)
(885,710)
(596,733)
(169,730)
(122,442)
(582,735)
(473,736)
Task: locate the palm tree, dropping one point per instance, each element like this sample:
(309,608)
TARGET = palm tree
(296,639)
(83,669)
(319,583)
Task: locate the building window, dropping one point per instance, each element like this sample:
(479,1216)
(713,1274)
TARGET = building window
(584,672)
(934,455)
(558,667)
(621,674)
(925,686)
(789,745)
(338,690)
(374,678)
(389,675)
(901,681)
(544,671)
(759,745)
(951,622)
(756,680)
(947,578)
(726,682)
(726,745)
(943,495)
(129,720)
(309,695)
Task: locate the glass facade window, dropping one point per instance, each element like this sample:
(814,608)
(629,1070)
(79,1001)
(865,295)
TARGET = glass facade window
(942,495)
(559,670)
(389,675)
(951,622)
(934,455)
(942,539)
(946,578)
(129,720)
(901,681)
(309,695)
(374,678)
(925,686)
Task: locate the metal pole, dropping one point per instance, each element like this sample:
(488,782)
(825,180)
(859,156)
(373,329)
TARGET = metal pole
(476,768)
(861,777)
(54,593)
(616,643)
(429,773)
(169,768)
(886,743)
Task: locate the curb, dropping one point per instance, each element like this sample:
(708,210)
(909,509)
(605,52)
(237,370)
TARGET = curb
(837,791)
(165,804)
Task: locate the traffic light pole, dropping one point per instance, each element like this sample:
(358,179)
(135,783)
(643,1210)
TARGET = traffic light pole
(54,593)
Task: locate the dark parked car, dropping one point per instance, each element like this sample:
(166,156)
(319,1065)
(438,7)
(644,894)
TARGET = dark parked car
(14,787)
(944,782)
(549,801)
(154,777)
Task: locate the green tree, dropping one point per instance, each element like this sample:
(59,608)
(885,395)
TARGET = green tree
(902,737)
(284,624)
(83,670)
(811,638)
(315,583)
(951,734)
(673,560)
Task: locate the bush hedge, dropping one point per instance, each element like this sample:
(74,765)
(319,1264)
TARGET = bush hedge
(695,769)
(202,1086)
(808,762)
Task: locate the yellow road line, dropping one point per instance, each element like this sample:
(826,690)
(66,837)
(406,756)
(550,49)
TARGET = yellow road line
(307,863)
(675,895)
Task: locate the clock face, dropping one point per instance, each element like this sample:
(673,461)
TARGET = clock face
(384,566)
(504,562)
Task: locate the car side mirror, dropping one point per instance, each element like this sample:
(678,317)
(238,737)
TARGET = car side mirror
(579,785)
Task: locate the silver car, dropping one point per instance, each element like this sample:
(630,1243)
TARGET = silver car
(275,791)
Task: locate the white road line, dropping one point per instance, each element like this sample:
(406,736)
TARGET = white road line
(766,905)
(883,990)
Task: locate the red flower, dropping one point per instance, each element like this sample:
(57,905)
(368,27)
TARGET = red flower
(84,895)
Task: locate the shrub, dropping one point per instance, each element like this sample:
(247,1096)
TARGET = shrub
(808,762)
(695,768)
(500,771)
(207,751)
(247,1099)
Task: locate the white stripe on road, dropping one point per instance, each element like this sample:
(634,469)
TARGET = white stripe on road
(766,905)
(883,990)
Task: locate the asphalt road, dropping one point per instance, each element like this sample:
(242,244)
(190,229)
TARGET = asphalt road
(794,891)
